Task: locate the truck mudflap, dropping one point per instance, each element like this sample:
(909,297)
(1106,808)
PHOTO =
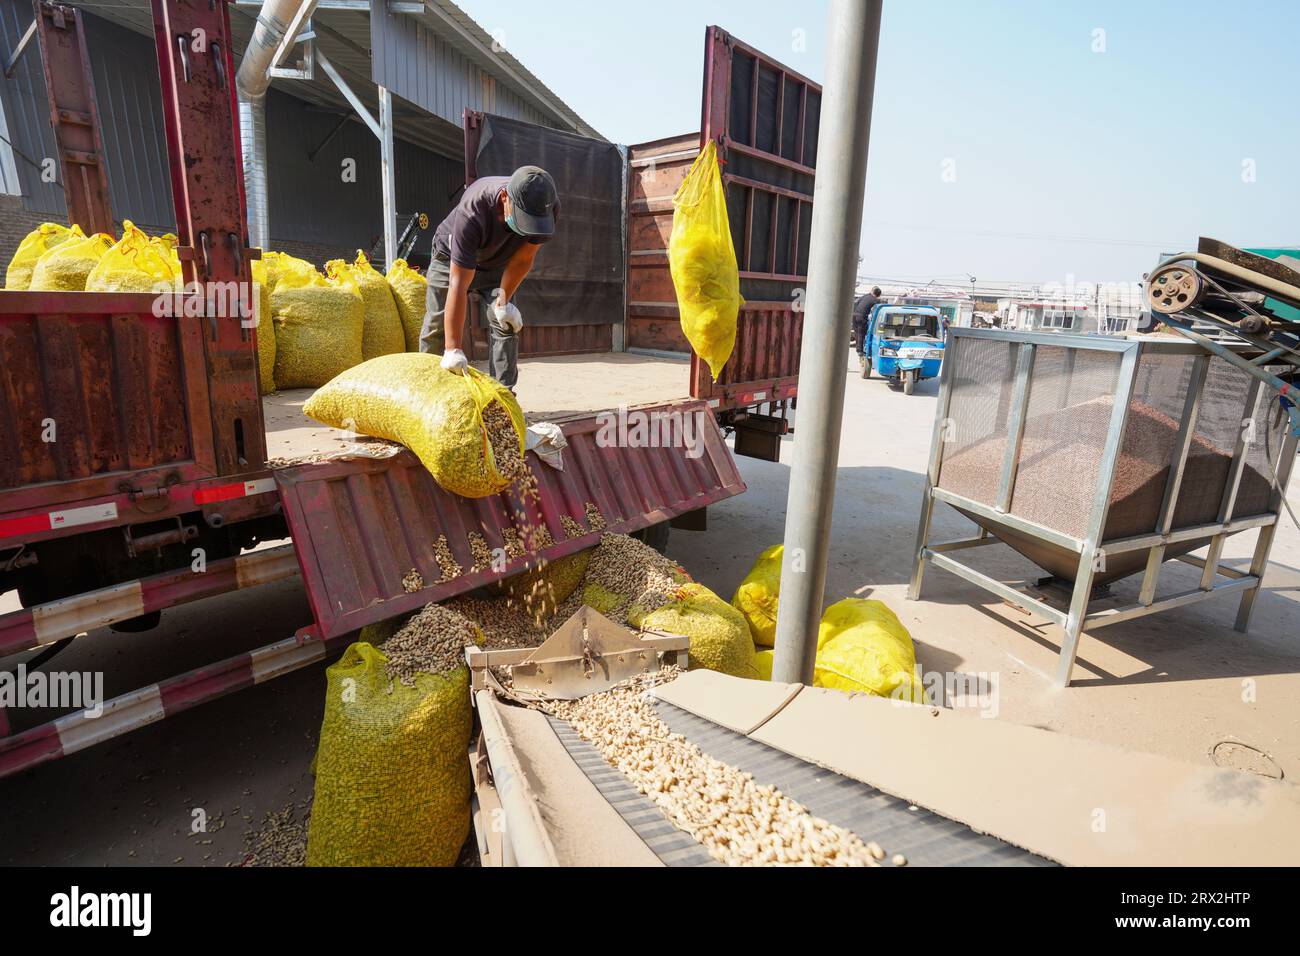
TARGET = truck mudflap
(361,526)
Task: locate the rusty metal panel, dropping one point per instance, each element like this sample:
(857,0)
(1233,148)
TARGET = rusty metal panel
(655,170)
(74,115)
(361,525)
(764,117)
(94,387)
(203,150)
(536,341)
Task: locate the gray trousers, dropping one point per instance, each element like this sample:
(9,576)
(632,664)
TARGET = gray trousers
(503,354)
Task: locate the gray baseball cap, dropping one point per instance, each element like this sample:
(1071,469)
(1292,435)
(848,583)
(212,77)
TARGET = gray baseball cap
(532,194)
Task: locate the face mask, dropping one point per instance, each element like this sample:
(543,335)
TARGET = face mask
(510,221)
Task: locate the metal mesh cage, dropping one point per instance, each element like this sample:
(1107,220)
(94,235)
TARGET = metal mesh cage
(1264,432)
(1067,418)
(1071,396)
(976,431)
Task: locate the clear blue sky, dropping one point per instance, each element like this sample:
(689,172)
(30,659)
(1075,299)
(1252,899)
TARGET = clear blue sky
(1067,161)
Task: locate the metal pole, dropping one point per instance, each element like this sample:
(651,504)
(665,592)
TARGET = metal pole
(854,35)
(386,171)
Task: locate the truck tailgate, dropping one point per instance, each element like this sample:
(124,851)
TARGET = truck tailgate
(361,525)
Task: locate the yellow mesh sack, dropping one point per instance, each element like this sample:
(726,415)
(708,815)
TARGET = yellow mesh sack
(318,325)
(862,646)
(382,333)
(409,398)
(719,636)
(702,261)
(392,778)
(277,263)
(135,263)
(34,245)
(265,330)
(67,266)
(757,596)
(763,663)
(409,289)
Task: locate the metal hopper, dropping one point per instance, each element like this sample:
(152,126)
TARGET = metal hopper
(1098,458)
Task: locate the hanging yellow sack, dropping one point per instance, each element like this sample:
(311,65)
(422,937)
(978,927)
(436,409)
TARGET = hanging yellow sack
(382,333)
(392,779)
(135,263)
(67,266)
(265,329)
(440,415)
(318,326)
(35,244)
(409,290)
(702,260)
(757,596)
(862,646)
(719,636)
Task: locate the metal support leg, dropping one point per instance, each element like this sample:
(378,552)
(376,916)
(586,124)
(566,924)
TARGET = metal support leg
(388,176)
(1230,487)
(1074,618)
(1097,519)
(939,438)
(1264,544)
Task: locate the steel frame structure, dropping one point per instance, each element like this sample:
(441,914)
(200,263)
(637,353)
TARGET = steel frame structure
(1076,618)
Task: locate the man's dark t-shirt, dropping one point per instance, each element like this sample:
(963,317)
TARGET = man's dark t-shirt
(472,236)
(861,309)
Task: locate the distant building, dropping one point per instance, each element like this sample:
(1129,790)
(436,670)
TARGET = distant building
(1045,316)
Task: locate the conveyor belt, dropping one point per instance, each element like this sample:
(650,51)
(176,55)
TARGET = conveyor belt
(925,838)
(671,845)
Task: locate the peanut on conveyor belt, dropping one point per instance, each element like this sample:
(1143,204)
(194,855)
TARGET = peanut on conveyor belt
(739,821)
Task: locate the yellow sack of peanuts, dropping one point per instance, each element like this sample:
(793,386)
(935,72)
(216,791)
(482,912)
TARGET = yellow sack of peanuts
(382,332)
(35,244)
(409,291)
(67,266)
(318,326)
(467,429)
(392,778)
(758,596)
(135,263)
(702,261)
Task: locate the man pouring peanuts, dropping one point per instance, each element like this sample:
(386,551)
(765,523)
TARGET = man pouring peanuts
(487,245)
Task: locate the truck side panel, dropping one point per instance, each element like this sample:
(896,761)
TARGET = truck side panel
(92,390)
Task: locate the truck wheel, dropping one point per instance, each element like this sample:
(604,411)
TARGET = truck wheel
(909,383)
(656,536)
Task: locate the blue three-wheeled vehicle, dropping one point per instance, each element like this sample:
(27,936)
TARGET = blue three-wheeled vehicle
(904,344)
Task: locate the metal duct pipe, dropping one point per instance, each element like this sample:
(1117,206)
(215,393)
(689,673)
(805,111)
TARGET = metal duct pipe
(854,37)
(251,82)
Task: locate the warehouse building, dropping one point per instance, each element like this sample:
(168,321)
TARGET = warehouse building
(323,159)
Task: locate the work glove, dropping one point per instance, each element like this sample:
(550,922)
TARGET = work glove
(453,360)
(508,316)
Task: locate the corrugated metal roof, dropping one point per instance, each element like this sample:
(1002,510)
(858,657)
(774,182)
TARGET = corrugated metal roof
(478,44)
(456,70)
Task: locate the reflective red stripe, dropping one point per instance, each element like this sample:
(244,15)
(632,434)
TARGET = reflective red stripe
(12,527)
(205,496)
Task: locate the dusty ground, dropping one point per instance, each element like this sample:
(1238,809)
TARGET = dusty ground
(1177,684)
